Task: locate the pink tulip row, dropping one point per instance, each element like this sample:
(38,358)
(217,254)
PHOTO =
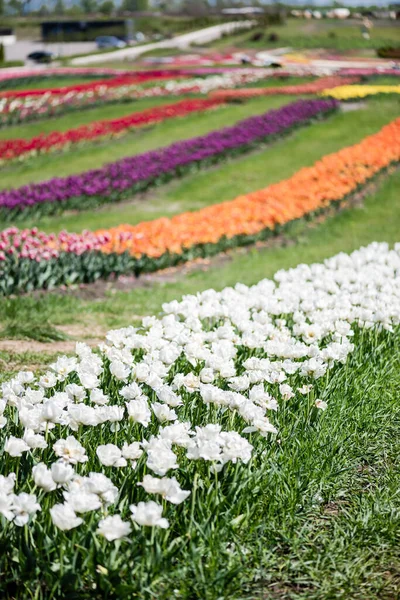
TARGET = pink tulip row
(37,245)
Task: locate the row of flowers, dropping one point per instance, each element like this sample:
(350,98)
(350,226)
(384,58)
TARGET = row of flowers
(111,82)
(371,71)
(167,425)
(21,75)
(30,259)
(123,178)
(18,110)
(353,92)
(314,87)
(20,148)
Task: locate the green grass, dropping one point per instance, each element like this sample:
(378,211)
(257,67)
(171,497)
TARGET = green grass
(11,362)
(328,33)
(92,156)
(28,322)
(238,176)
(327,521)
(39,83)
(383,80)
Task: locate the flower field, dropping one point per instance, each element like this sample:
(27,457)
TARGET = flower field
(30,259)
(199,330)
(126,445)
(20,148)
(20,107)
(129,176)
(324,83)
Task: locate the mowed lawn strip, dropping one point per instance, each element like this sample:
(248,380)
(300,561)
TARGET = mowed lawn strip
(251,172)
(43,83)
(94,155)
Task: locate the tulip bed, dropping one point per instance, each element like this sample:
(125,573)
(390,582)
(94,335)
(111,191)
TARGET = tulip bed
(23,148)
(41,106)
(121,179)
(370,71)
(313,87)
(112,82)
(181,446)
(355,92)
(22,76)
(30,259)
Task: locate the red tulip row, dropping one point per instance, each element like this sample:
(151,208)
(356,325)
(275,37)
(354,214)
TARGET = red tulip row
(19,147)
(134,77)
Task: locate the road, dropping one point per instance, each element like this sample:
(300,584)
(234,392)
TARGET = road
(21,49)
(202,36)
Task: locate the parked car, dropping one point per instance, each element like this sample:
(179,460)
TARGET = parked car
(41,56)
(109,41)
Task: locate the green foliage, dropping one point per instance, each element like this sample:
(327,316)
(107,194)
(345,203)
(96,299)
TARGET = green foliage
(11,63)
(389,52)
(59,8)
(134,5)
(107,7)
(2,54)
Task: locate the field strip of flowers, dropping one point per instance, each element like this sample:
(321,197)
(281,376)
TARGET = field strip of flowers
(138,443)
(32,260)
(21,149)
(136,77)
(123,178)
(313,87)
(28,108)
(355,92)
(10,76)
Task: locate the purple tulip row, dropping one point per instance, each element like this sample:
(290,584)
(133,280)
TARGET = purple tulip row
(115,181)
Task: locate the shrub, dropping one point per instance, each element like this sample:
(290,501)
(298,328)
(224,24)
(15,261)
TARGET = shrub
(389,52)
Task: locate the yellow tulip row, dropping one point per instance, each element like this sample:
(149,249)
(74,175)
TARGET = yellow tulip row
(346,92)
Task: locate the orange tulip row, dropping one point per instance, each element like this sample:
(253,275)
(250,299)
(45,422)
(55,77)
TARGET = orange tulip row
(329,180)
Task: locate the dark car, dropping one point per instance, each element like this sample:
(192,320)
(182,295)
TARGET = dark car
(41,56)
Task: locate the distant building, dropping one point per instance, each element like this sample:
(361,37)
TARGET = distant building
(81,30)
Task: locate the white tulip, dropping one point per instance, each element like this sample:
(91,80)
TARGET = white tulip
(148,513)
(113,528)
(64,517)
